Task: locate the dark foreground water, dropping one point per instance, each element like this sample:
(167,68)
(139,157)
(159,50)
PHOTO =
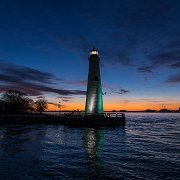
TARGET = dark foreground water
(147,148)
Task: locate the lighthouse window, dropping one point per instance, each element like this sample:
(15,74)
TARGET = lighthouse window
(96,78)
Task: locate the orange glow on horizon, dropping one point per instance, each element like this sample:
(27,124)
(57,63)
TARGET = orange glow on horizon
(133,106)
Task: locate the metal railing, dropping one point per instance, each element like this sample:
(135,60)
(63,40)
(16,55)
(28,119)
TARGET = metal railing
(114,115)
(82,113)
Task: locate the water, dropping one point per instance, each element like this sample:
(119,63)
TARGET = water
(147,148)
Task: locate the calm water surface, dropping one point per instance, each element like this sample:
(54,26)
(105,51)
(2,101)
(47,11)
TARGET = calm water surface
(147,148)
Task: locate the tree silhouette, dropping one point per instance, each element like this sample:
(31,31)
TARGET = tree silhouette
(41,105)
(16,102)
(1,107)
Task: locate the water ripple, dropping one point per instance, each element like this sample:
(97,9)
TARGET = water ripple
(147,148)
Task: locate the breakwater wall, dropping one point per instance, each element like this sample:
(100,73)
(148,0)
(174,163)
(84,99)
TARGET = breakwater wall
(74,121)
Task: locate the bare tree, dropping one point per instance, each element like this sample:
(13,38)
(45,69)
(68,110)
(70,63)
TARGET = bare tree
(16,102)
(41,105)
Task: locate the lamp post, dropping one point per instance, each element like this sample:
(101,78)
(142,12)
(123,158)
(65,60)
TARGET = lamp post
(59,106)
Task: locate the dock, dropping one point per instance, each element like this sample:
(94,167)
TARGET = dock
(72,120)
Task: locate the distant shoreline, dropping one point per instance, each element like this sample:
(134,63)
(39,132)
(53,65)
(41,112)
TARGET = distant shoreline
(113,112)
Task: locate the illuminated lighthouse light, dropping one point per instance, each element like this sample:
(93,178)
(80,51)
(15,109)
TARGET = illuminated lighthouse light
(93,52)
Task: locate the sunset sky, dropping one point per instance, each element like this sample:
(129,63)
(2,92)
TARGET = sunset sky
(45,44)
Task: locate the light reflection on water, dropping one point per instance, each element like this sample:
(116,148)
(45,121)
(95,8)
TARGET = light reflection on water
(147,148)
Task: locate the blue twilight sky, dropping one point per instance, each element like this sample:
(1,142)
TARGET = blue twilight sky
(44,49)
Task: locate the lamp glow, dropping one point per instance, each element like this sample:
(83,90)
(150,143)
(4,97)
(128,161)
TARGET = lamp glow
(93,52)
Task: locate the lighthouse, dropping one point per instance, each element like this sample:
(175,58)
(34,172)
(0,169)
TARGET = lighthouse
(94,100)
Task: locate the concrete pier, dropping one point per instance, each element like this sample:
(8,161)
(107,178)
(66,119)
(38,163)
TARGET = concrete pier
(72,121)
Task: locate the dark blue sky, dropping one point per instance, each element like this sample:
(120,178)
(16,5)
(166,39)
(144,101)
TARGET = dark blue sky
(44,48)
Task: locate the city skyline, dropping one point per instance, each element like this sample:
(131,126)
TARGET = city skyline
(45,47)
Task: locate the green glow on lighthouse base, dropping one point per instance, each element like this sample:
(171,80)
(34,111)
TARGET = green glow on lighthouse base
(94,104)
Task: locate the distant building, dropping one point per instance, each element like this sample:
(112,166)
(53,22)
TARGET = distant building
(164,110)
(150,110)
(123,110)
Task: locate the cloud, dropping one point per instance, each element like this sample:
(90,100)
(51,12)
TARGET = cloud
(30,91)
(65,97)
(76,43)
(57,104)
(175,79)
(80,45)
(12,72)
(76,83)
(65,100)
(175,65)
(40,97)
(52,103)
(113,89)
(126,35)
(37,90)
(31,81)
(168,58)
(120,91)
(116,57)
(145,69)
